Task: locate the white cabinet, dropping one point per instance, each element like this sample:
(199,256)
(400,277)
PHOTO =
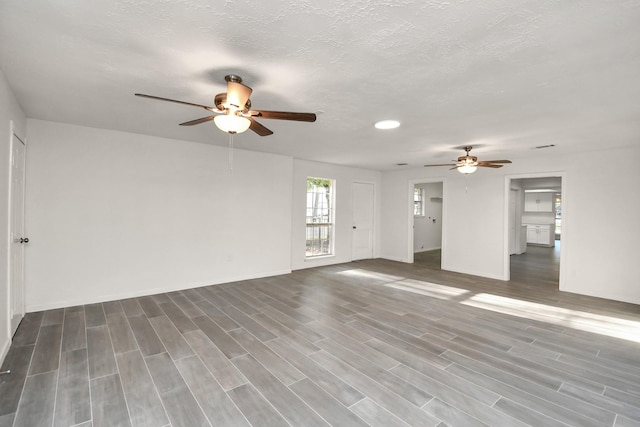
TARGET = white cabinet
(541,234)
(538,202)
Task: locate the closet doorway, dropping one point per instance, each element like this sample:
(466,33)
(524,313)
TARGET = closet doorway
(535,217)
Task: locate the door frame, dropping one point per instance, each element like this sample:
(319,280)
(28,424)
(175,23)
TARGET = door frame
(513,226)
(14,139)
(566,237)
(410,218)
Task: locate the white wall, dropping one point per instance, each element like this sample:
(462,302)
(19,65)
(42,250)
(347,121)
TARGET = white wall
(344,177)
(9,111)
(427,234)
(600,210)
(475,210)
(113,214)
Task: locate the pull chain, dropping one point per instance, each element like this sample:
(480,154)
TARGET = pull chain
(231,152)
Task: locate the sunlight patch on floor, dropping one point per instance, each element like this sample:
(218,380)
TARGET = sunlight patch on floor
(366,274)
(588,322)
(427,288)
(565,317)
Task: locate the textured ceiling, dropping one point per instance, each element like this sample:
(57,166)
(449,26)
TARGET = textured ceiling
(503,75)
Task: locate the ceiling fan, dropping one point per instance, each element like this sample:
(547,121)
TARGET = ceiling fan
(232,112)
(469,164)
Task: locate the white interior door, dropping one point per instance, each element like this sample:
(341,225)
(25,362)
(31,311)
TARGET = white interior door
(362,196)
(16,234)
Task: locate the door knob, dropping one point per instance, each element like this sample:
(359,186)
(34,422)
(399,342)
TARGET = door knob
(24,240)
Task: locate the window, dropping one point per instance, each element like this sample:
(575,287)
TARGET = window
(558,206)
(320,211)
(418,201)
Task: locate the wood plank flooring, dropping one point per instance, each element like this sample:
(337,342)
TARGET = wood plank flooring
(371,342)
(538,266)
(429,259)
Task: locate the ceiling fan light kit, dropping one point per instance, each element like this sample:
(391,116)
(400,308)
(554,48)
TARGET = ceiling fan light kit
(233,113)
(467,168)
(232,123)
(469,164)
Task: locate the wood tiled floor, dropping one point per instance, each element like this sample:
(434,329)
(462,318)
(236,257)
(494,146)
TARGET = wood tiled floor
(365,343)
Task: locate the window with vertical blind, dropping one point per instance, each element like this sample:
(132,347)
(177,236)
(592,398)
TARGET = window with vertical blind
(320,217)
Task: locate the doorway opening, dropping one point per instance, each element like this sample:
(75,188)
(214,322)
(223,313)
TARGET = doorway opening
(426,224)
(534,230)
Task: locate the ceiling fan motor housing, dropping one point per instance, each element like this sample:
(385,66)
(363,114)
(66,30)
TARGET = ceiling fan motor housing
(220,101)
(233,78)
(468,159)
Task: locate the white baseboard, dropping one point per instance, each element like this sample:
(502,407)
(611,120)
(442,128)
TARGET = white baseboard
(395,259)
(427,250)
(5,351)
(154,291)
(475,273)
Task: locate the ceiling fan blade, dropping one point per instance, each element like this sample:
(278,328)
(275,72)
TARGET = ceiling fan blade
(238,94)
(488,165)
(259,128)
(176,101)
(284,115)
(497,161)
(197,121)
(444,164)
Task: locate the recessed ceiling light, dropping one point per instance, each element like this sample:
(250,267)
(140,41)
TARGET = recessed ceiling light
(387,124)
